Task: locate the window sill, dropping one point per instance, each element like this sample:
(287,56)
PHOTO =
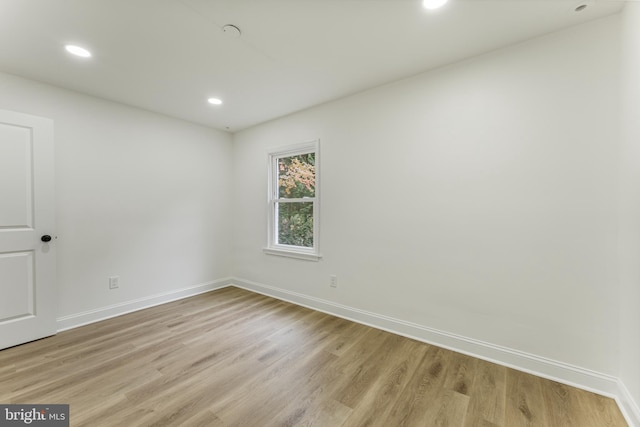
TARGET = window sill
(292,254)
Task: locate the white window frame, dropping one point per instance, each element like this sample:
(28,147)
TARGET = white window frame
(274,248)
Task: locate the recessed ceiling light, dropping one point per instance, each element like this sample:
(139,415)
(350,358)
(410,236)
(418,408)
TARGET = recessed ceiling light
(214,101)
(78,51)
(433,4)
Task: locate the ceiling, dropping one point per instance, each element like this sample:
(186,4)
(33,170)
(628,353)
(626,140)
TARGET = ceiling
(169,56)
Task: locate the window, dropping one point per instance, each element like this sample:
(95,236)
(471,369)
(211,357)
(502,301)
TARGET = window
(293,202)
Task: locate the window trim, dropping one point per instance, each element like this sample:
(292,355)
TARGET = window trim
(273,248)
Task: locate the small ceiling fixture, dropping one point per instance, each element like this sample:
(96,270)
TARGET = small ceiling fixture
(433,4)
(232,31)
(78,51)
(214,101)
(580,8)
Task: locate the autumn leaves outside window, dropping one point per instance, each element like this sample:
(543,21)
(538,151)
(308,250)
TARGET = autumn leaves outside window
(293,199)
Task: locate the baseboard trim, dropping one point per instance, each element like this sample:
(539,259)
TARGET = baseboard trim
(557,371)
(628,405)
(80,319)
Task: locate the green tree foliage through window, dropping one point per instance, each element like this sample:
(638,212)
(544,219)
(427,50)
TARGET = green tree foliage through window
(296,181)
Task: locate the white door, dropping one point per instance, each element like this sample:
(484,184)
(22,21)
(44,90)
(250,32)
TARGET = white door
(28,298)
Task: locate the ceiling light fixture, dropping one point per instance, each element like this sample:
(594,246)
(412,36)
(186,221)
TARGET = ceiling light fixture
(78,51)
(214,101)
(232,31)
(433,4)
(580,8)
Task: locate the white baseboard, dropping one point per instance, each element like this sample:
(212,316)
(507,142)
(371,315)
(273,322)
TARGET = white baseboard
(103,313)
(628,405)
(557,371)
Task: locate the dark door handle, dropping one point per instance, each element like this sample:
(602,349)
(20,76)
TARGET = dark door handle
(46,238)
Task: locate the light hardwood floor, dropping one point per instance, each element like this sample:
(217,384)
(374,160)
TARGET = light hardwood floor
(235,358)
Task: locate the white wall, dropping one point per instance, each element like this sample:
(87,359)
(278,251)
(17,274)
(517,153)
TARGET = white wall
(139,195)
(630,204)
(478,199)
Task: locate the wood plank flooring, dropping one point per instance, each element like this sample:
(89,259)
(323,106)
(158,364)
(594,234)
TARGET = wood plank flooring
(236,358)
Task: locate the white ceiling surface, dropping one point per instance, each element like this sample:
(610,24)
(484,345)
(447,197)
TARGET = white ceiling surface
(169,56)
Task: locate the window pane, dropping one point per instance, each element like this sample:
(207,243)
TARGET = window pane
(297,176)
(295,223)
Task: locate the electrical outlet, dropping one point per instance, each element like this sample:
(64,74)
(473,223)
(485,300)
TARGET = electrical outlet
(334,281)
(114,282)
